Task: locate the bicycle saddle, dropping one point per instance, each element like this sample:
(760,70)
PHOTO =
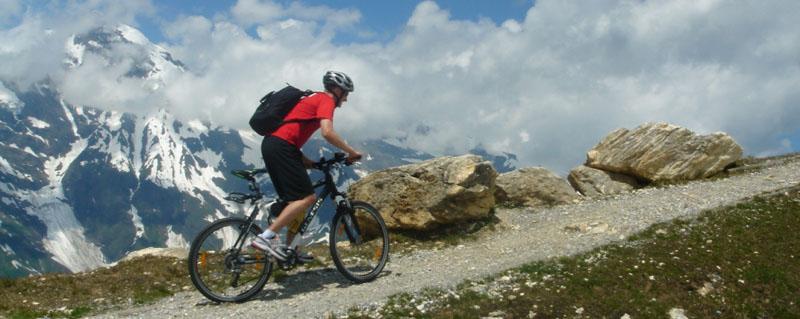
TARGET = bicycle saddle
(247,174)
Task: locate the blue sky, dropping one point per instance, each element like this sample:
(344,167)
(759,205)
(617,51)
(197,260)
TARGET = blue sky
(544,82)
(382,20)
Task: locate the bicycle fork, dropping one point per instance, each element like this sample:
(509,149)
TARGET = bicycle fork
(350,222)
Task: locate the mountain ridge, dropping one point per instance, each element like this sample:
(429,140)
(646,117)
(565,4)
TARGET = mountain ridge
(80,186)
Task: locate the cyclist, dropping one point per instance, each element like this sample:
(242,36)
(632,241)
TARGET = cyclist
(287,165)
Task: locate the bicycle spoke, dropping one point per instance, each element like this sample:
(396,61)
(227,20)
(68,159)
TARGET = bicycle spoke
(359,243)
(223,268)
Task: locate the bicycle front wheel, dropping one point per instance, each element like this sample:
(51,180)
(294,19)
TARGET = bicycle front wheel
(223,266)
(359,242)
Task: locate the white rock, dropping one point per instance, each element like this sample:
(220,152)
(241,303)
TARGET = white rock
(534,186)
(180,253)
(677,313)
(706,289)
(426,195)
(593,182)
(661,151)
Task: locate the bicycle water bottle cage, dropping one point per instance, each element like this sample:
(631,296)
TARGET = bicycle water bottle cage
(237,197)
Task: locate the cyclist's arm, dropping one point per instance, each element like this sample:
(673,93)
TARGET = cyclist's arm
(332,137)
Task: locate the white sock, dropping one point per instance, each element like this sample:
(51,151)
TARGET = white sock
(268,234)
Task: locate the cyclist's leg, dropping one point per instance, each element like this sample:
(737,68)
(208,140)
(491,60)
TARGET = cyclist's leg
(291,232)
(285,167)
(294,210)
(294,228)
(290,178)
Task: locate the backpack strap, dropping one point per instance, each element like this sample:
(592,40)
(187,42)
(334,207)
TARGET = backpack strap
(306,93)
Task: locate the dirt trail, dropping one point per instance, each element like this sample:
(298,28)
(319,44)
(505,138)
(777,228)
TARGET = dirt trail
(527,235)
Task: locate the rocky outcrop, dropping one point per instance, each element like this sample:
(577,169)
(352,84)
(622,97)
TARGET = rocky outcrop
(426,195)
(593,182)
(533,186)
(179,253)
(664,152)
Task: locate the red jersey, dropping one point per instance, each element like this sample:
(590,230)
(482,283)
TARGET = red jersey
(317,106)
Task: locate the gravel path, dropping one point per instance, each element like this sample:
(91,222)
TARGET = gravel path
(526,235)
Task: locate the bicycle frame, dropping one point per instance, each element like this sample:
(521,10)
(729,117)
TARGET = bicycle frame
(236,258)
(328,189)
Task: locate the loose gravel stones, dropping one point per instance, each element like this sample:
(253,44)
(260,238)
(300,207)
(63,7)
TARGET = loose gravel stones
(529,235)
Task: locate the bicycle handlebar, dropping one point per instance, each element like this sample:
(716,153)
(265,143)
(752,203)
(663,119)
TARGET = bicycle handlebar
(337,158)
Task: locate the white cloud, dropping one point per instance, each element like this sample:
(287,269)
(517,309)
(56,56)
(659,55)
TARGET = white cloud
(259,12)
(524,136)
(36,44)
(9,9)
(256,11)
(101,84)
(7,97)
(546,88)
(189,28)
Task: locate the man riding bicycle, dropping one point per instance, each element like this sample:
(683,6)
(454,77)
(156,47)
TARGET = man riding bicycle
(287,165)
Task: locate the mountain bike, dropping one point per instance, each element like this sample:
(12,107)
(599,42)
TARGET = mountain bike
(224,268)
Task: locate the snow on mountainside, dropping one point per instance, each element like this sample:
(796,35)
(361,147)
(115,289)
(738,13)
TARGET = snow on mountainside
(104,183)
(123,44)
(81,187)
(124,182)
(8,99)
(67,244)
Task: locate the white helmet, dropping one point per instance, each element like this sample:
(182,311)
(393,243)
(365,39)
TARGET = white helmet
(338,79)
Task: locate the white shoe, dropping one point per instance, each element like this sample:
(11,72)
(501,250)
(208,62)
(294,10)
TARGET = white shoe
(271,245)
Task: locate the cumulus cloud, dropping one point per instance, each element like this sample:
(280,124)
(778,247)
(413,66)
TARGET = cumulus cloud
(9,9)
(99,83)
(36,44)
(571,72)
(253,12)
(7,97)
(546,88)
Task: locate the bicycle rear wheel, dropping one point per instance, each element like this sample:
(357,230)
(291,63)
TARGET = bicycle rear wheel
(223,266)
(359,242)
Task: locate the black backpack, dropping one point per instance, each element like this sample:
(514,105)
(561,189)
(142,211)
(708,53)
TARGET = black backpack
(274,107)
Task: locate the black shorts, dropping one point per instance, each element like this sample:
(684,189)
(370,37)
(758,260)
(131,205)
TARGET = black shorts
(285,167)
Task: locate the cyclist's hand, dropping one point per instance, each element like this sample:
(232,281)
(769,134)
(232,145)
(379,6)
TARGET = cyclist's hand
(307,162)
(353,157)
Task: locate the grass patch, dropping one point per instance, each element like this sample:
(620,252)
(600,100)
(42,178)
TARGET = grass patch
(138,281)
(741,261)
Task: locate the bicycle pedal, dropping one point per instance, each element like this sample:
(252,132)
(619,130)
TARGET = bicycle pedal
(288,264)
(287,267)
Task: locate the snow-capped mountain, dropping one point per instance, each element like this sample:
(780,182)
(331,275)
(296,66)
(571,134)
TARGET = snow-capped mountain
(81,187)
(124,44)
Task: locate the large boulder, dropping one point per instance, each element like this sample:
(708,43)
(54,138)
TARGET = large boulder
(593,182)
(663,152)
(533,186)
(429,194)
